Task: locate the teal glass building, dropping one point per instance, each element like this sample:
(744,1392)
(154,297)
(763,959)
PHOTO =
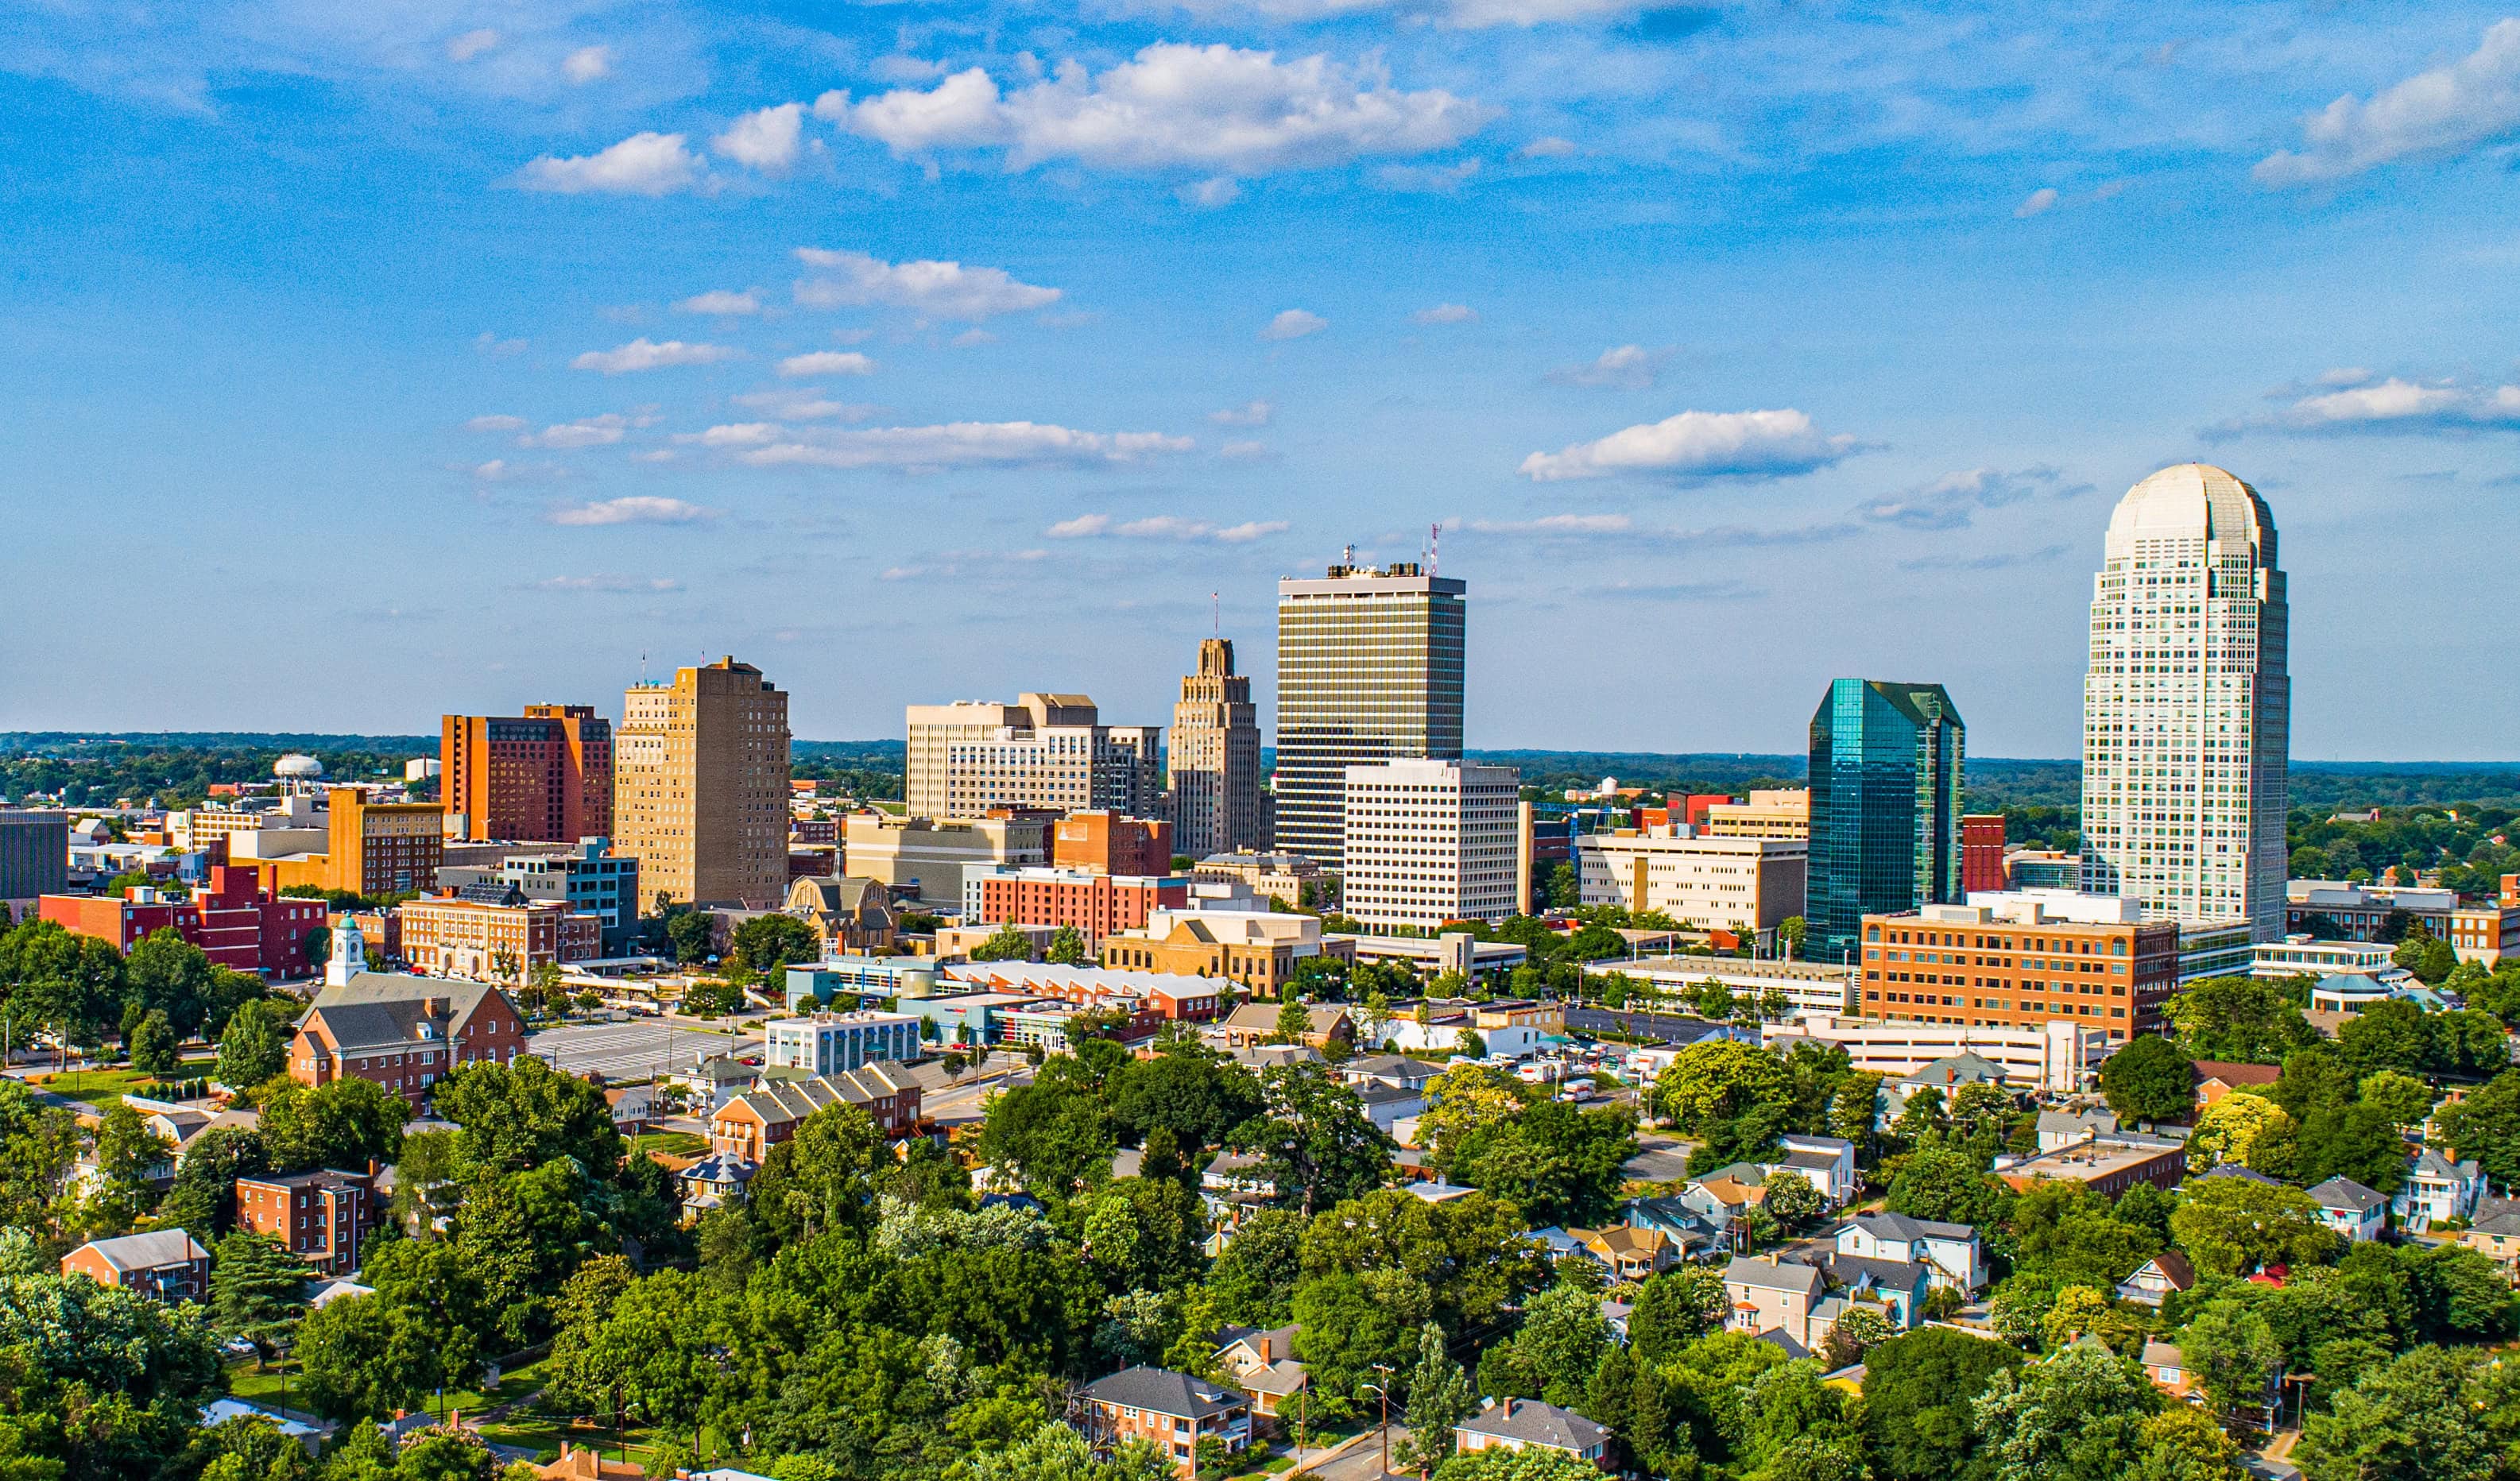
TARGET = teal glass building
(1885,808)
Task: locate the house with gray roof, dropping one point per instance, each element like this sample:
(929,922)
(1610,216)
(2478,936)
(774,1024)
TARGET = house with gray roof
(1529,1425)
(2437,1191)
(166,1264)
(1774,1294)
(2061,1129)
(1262,1362)
(1951,1253)
(1174,1412)
(2351,1209)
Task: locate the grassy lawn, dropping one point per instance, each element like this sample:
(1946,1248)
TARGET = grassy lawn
(263,1386)
(671,1144)
(106,1086)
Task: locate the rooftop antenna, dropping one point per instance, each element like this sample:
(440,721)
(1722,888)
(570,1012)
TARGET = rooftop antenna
(1434,548)
(1216,614)
(1347,555)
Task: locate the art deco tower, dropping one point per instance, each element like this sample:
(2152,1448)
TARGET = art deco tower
(1215,759)
(2187,710)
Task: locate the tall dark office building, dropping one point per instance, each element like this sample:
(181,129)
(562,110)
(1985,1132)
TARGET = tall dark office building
(1885,807)
(1370,667)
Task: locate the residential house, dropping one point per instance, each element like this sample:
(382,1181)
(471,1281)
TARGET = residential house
(1388,1105)
(2217,1078)
(1898,1285)
(1264,1365)
(2437,1191)
(1630,1253)
(2167,1367)
(1945,1076)
(2061,1129)
(1779,1295)
(2495,1234)
(761,1118)
(322,1217)
(1529,1425)
(1694,1229)
(1173,1411)
(1827,1163)
(579,1464)
(2351,1209)
(2157,1277)
(166,1264)
(712,1081)
(714,1181)
(633,1107)
(1951,1253)
(309,1437)
(1392,1071)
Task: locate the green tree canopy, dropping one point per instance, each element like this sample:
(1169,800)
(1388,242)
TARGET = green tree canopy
(2150,1079)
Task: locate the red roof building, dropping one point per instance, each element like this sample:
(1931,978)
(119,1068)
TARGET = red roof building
(236,925)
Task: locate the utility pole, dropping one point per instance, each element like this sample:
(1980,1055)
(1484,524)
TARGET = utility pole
(1382,1391)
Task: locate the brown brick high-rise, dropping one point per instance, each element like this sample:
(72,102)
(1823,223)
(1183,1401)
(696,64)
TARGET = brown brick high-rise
(543,777)
(699,787)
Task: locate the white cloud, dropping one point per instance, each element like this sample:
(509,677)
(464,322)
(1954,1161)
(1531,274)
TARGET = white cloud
(471,44)
(1164,528)
(1249,414)
(767,139)
(1955,500)
(1220,190)
(970,339)
(735,434)
(2040,200)
(609,583)
(1245,450)
(1217,109)
(966,444)
(803,403)
(1557,524)
(945,290)
(1294,324)
(497,348)
(2447,111)
(643,165)
(587,64)
(1698,445)
(827,362)
(643,354)
(1428,179)
(1445,313)
(1549,148)
(900,69)
(500,423)
(722,302)
(634,509)
(592,431)
(1628,367)
(2397,404)
(493,471)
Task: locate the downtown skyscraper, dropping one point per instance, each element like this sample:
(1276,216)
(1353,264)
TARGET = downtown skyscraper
(2187,706)
(1885,807)
(1369,670)
(699,787)
(1214,760)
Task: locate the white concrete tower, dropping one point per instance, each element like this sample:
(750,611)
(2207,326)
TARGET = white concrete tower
(2187,708)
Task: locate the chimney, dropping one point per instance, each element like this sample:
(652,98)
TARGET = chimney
(1266,1355)
(1509,1408)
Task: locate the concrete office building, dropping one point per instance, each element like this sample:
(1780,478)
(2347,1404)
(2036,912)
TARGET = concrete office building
(1431,841)
(1885,807)
(1774,813)
(1747,885)
(828,1043)
(2187,706)
(1102,842)
(1369,670)
(701,786)
(1045,752)
(1214,761)
(2008,959)
(35,853)
(929,860)
(543,777)
(589,879)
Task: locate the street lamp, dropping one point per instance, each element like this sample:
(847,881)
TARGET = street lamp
(1382,1391)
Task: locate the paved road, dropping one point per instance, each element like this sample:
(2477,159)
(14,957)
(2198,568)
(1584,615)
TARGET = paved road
(634,1051)
(1361,1461)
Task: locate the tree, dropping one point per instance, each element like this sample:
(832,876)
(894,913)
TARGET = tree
(1314,1143)
(1719,1079)
(1790,933)
(365,1358)
(2403,1098)
(1189,1090)
(1945,1185)
(2232,1226)
(1791,1199)
(2248,1020)
(1917,1389)
(2150,1079)
(71,985)
(128,1155)
(1552,1356)
(1066,948)
(2234,1356)
(1007,944)
(1440,1395)
(1674,1309)
(2227,1130)
(1351,1323)
(1052,1137)
(430,1281)
(1295,1021)
(340,1123)
(524,1113)
(1555,1162)
(257,1289)
(1856,1331)
(169,974)
(2078,1416)
(96,1382)
(153,1044)
(255,1045)
(693,934)
(2486,1127)
(1498,1463)
(2412,1419)
(203,1198)
(766,943)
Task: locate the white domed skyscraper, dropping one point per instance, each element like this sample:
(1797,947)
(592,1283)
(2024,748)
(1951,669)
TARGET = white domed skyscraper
(2187,706)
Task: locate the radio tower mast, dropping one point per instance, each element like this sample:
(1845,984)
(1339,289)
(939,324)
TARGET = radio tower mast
(1434,549)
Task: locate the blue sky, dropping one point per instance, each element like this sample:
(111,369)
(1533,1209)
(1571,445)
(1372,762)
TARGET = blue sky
(373,361)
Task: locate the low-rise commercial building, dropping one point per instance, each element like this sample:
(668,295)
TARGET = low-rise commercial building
(1807,987)
(1776,813)
(2108,1165)
(1095,906)
(2300,956)
(860,977)
(2058,1057)
(824,1043)
(1172,997)
(1745,886)
(2339,910)
(235,924)
(1431,956)
(501,938)
(926,858)
(1283,878)
(2020,960)
(1222,931)
(587,876)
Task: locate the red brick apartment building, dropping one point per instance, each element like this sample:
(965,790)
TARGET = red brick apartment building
(236,925)
(405,1033)
(1097,905)
(323,1217)
(545,776)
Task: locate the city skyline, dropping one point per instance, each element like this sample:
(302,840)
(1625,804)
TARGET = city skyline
(701,331)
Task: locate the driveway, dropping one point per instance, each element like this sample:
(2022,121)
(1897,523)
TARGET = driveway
(1359,1459)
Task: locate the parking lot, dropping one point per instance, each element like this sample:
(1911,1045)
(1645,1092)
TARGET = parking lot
(1670,1028)
(633,1050)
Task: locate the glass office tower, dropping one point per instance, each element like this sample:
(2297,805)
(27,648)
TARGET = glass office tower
(1885,807)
